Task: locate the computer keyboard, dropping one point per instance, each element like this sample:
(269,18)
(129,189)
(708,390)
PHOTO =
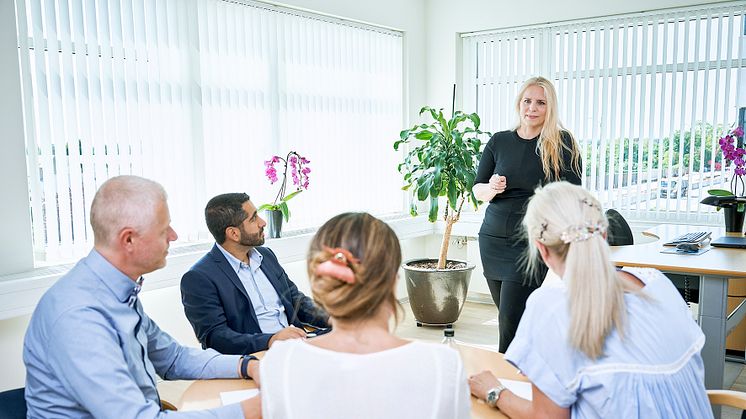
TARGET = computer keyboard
(693,237)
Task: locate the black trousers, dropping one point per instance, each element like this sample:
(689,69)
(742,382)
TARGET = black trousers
(510,298)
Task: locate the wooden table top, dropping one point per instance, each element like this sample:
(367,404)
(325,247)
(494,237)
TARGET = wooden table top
(205,394)
(716,261)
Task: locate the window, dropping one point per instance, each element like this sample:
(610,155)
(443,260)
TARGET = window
(646,95)
(196,95)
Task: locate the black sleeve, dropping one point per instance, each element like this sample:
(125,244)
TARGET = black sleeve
(568,172)
(487,162)
(206,313)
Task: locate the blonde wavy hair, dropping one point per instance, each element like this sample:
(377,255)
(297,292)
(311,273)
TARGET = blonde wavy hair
(377,249)
(550,140)
(569,221)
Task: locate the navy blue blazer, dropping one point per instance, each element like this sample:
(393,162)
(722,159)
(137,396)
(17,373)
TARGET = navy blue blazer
(220,311)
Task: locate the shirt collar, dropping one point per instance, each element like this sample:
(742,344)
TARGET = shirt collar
(255,259)
(117,282)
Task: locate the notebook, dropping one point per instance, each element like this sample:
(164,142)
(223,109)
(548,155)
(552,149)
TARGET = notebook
(730,241)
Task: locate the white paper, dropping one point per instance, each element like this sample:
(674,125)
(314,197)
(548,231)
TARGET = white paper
(230,397)
(521,389)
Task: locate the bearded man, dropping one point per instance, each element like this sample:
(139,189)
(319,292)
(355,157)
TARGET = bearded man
(238,298)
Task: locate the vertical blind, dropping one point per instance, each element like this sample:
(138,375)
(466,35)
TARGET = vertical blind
(646,95)
(196,94)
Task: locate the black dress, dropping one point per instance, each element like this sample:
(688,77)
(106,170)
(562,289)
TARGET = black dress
(501,241)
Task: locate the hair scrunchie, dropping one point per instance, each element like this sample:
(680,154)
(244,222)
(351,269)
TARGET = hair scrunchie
(338,266)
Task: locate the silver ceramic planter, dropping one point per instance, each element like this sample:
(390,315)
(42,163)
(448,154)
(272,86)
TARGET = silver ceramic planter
(274,223)
(437,296)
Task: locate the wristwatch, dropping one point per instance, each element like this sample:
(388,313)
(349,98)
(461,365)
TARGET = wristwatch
(493,395)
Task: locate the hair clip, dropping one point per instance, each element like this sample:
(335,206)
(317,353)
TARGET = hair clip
(544,226)
(575,234)
(590,203)
(339,266)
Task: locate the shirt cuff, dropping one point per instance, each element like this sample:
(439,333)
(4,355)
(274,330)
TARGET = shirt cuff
(225,366)
(230,411)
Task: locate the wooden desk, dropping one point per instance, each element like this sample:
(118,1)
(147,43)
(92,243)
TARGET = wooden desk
(713,269)
(205,394)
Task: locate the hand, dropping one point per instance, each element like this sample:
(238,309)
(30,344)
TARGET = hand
(252,408)
(498,183)
(290,332)
(254,371)
(481,383)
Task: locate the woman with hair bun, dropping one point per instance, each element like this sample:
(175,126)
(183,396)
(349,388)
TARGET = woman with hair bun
(601,342)
(360,369)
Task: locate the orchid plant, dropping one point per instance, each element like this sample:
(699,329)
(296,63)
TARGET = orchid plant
(734,154)
(299,171)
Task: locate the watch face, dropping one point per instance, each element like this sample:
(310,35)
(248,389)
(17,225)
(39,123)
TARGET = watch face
(492,397)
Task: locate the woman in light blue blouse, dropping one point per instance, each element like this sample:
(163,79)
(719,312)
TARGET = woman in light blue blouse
(601,342)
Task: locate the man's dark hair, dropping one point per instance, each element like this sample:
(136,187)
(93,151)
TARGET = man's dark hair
(225,211)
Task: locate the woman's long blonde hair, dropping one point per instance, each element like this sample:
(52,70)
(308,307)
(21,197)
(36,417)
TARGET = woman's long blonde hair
(569,221)
(550,142)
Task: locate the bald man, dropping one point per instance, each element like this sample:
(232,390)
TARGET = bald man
(90,350)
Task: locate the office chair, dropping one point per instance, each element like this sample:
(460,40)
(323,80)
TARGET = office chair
(13,404)
(730,398)
(619,233)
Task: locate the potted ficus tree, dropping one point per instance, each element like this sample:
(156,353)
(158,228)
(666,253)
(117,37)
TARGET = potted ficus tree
(441,163)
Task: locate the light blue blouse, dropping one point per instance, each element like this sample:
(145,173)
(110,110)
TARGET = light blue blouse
(654,371)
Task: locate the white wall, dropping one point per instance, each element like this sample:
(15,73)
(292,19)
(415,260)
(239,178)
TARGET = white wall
(447,19)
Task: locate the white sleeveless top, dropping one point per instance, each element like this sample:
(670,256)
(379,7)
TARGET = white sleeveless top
(416,380)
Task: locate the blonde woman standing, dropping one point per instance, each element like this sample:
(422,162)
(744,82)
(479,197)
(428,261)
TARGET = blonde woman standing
(538,151)
(601,342)
(360,369)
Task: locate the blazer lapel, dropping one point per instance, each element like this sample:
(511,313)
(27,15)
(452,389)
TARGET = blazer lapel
(272,270)
(227,269)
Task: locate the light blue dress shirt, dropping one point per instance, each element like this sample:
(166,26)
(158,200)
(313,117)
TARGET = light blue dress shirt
(91,352)
(270,313)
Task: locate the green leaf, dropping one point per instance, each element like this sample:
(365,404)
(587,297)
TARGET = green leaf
(452,193)
(475,120)
(285,211)
(719,192)
(403,135)
(741,208)
(424,188)
(269,207)
(413,209)
(290,196)
(433,214)
(424,135)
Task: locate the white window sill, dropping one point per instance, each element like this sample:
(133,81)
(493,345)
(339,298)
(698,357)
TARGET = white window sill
(20,292)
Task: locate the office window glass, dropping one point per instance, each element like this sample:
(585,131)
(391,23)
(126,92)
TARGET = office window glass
(196,94)
(646,95)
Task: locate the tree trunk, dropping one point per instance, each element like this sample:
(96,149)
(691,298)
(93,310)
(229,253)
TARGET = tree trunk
(446,242)
(450,221)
